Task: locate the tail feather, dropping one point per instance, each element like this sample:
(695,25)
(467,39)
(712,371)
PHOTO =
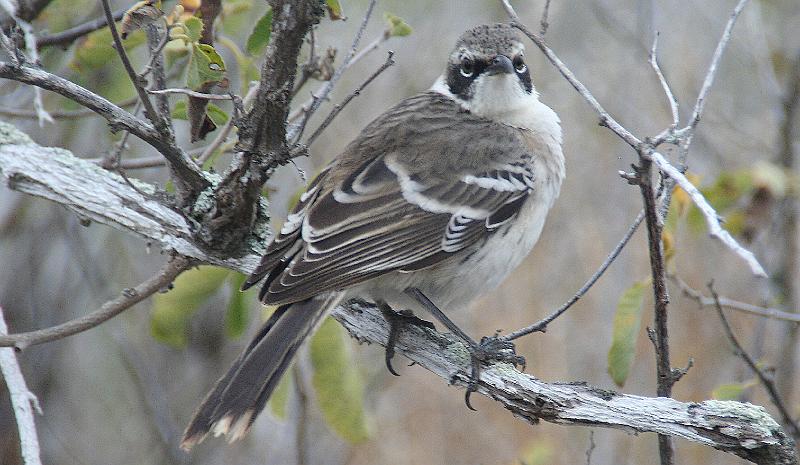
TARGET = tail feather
(240,395)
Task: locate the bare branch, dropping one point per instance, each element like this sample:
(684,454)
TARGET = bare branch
(259,137)
(541,326)
(67,36)
(102,196)
(33,57)
(117,117)
(647,150)
(23,401)
(223,133)
(543,22)
(766,312)
(712,219)
(767,382)
(303,109)
(149,110)
(734,427)
(127,298)
(712,68)
(191,93)
(322,95)
(339,107)
(65,114)
(673,102)
(605,118)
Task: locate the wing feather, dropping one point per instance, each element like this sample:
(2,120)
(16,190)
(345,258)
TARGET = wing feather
(394,201)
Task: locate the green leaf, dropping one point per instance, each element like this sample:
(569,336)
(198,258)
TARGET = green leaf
(337,383)
(217,114)
(194,28)
(95,51)
(206,66)
(179,110)
(259,38)
(627,321)
(334,9)
(397,26)
(280,396)
(172,310)
(539,452)
(728,391)
(238,307)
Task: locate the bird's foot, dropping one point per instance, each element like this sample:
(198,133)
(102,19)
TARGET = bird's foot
(490,349)
(396,320)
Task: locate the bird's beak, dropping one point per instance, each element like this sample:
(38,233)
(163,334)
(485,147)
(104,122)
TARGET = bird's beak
(501,64)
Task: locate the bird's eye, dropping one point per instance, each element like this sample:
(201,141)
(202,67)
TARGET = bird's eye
(519,65)
(467,67)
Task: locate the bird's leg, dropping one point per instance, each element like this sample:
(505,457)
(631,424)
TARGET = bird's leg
(491,348)
(396,320)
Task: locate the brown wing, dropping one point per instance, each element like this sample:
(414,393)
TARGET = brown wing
(402,209)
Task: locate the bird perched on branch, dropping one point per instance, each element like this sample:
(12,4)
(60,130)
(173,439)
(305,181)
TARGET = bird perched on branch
(433,204)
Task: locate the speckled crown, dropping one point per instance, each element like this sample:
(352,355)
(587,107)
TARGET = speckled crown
(489,39)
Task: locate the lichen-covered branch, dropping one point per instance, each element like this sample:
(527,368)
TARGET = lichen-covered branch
(738,428)
(23,401)
(118,118)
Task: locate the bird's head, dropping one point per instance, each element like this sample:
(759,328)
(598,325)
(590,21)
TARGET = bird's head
(486,72)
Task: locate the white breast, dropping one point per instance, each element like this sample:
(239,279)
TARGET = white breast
(454,283)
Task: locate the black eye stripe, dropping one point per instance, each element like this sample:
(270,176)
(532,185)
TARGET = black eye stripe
(460,85)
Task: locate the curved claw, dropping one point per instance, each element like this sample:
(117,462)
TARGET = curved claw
(396,320)
(389,354)
(474,377)
(470,390)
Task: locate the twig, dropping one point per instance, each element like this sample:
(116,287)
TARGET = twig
(318,98)
(371,46)
(293,116)
(510,10)
(673,102)
(543,22)
(712,68)
(191,93)
(82,113)
(306,69)
(766,312)
(155,44)
(223,133)
(33,57)
(665,377)
(591,447)
(127,298)
(23,401)
(339,107)
(149,109)
(301,433)
(155,52)
(10,47)
(605,118)
(648,150)
(712,219)
(117,117)
(68,36)
(767,382)
(541,326)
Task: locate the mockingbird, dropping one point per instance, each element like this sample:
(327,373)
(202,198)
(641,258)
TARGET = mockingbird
(433,204)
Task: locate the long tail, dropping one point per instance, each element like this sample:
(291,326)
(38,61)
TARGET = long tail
(239,396)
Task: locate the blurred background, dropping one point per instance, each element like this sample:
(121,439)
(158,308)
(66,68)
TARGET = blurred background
(122,393)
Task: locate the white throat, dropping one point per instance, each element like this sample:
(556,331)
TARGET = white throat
(500,98)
